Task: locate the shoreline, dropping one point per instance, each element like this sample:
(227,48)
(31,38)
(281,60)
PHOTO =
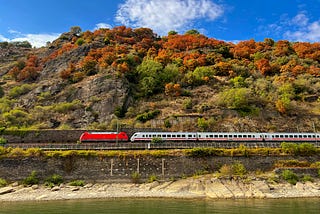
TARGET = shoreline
(190,188)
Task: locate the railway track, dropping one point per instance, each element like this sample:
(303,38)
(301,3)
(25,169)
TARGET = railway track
(145,146)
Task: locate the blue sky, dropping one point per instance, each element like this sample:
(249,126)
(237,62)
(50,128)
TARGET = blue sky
(39,21)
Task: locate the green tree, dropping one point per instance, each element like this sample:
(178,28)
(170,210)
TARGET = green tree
(192,32)
(235,98)
(150,73)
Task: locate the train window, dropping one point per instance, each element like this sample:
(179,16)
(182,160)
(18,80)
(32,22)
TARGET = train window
(143,135)
(173,135)
(235,136)
(291,136)
(220,135)
(230,136)
(178,135)
(304,135)
(183,136)
(249,136)
(216,135)
(190,135)
(276,136)
(309,136)
(225,135)
(286,136)
(211,135)
(240,136)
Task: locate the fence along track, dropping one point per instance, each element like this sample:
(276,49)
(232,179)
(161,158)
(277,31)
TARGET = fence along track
(144,146)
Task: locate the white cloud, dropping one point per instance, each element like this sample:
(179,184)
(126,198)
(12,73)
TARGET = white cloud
(37,40)
(300,19)
(165,15)
(298,28)
(303,29)
(3,39)
(102,25)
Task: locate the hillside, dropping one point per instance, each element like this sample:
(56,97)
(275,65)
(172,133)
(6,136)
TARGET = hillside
(92,80)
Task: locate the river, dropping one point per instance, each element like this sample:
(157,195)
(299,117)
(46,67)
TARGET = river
(164,206)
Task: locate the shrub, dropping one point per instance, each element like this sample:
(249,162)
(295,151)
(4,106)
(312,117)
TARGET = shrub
(16,152)
(31,179)
(290,176)
(3,141)
(17,91)
(156,140)
(167,123)
(187,104)
(306,178)
(3,182)
(144,117)
(135,176)
(239,169)
(152,178)
(226,170)
(64,107)
(298,149)
(35,152)
(289,148)
(54,180)
(77,183)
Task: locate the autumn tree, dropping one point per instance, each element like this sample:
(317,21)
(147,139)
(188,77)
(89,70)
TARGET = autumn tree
(244,49)
(264,66)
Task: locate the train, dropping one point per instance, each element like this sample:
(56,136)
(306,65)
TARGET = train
(199,137)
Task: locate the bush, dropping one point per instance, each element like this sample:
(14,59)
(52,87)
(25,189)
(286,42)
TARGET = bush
(239,169)
(144,117)
(135,176)
(226,170)
(77,183)
(54,180)
(306,178)
(290,176)
(17,91)
(31,179)
(156,140)
(298,149)
(3,141)
(3,182)
(152,178)
(34,152)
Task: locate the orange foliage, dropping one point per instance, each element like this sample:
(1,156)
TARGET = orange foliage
(244,49)
(30,70)
(263,66)
(283,48)
(172,89)
(307,50)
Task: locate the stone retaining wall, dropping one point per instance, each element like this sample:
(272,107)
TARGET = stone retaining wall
(122,168)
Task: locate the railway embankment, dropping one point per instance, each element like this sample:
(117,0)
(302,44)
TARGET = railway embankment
(32,174)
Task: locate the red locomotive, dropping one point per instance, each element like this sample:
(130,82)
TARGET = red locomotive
(103,136)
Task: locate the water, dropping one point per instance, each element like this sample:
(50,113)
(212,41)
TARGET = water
(163,206)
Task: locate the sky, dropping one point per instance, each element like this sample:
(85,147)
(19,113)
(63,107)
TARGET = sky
(40,21)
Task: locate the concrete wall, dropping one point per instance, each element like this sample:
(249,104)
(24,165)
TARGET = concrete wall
(117,169)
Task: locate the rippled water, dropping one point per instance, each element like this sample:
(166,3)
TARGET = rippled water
(165,206)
